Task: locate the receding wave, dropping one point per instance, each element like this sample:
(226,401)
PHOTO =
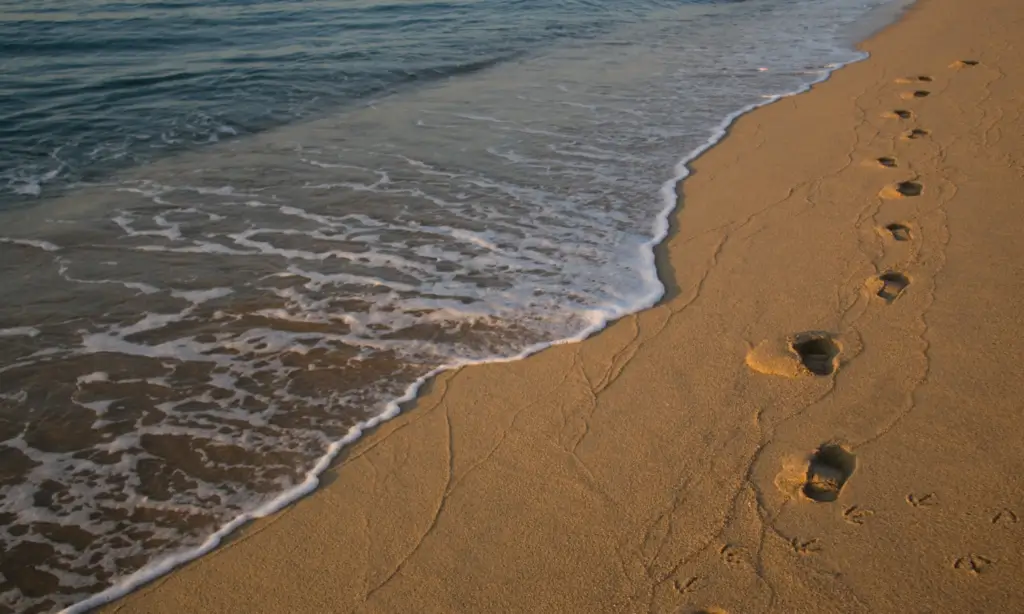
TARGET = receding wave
(187,342)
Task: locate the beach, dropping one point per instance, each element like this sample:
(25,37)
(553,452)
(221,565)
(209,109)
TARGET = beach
(688,458)
(233,259)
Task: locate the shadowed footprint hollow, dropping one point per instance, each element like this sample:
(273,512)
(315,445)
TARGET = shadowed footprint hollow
(909,188)
(898,232)
(830,467)
(818,353)
(891,285)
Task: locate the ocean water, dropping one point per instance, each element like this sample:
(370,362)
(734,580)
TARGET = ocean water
(233,235)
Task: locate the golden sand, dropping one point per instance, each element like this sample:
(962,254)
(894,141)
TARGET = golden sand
(825,414)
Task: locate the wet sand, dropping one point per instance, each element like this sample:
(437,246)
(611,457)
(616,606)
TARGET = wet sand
(823,415)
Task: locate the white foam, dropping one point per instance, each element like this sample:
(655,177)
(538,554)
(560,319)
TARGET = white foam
(46,246)
(97,376)
(595,319)
(19,331)
(28,188)
(197,297)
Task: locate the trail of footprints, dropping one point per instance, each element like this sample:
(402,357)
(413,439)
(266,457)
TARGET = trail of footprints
(832,465)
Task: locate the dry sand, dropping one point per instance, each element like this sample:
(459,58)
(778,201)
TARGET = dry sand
(686,459)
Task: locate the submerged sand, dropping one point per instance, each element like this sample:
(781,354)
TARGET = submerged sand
(825,414)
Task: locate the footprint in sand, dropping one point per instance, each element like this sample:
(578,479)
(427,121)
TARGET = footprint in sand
(1005,516)
(903,189)
(710,611)
(898,114)
(827,472)
(889,285)
(916,133)
(917,79)
(896,231)
(817,352)
(810,353)
(915,94)
(887,162)
(856,515)
(805,547)
(686,586)
(964,64)
(732,555)
(925,500)
(972,563)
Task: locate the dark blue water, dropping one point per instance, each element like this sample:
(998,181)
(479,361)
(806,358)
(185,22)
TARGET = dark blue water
(89,86)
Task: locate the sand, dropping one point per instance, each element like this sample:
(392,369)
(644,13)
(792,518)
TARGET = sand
(689,457)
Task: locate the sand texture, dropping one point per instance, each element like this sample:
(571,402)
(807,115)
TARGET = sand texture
(825,414)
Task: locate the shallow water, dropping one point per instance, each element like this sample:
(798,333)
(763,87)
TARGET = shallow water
(184,338)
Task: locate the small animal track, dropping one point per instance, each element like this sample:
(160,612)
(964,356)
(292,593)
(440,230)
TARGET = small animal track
(711,611)
(916,133)
(926,500)
(732,555)
(898,232)
(830,467)
(964,63)
(972,563)
(686,586)
(887,162)
(805,547)
(891,285)
(817,352)
(1005,516)
(902,113)
(856,514)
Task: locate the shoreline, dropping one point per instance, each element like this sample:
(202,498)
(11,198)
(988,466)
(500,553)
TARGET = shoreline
(653,249)
(435,391)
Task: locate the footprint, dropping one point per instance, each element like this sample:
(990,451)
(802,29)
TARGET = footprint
(889,285)
(711,610)
(901,114)
(972,563)
(914,94)
(917,79)
(807,353)
(1005,516)
(964,63)
(902,189)
(909,188)
(732,555)
(805,547)
(887,162)
(686,586)
(856,514)
(817,352)
(829,469)
(897,231)
(926,500)
(916,133)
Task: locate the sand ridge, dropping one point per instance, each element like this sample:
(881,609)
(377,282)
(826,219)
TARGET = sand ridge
(823,415)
